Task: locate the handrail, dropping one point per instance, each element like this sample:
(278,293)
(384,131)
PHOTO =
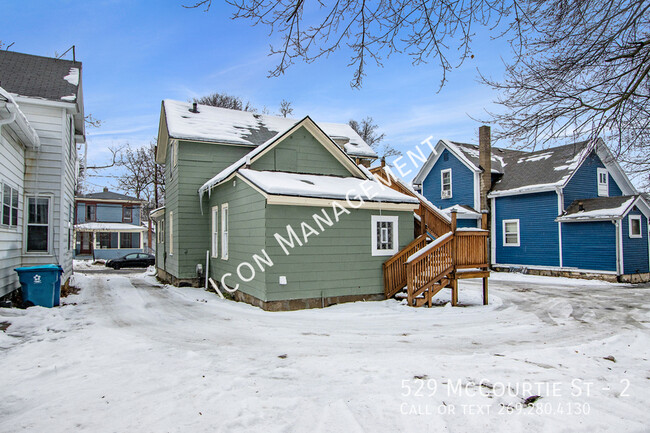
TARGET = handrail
(395,269)
(432,266)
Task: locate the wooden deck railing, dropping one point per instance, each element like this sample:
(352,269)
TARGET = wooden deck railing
(471,249)
(430,267)
(432,221)
(395,267)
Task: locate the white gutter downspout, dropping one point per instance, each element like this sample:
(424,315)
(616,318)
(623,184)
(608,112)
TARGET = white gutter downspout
(560,209)
(8,119)
(619,247)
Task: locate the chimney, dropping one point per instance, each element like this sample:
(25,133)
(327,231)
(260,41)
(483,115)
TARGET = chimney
(194,108)
(105,189)
(485,162)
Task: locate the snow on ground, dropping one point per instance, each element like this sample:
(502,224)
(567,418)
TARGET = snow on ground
(126,354)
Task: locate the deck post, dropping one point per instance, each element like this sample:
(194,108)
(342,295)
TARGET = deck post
(454,292)
(485,290)
(423,227)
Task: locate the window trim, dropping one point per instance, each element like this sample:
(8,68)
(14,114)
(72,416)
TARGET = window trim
(225,230)
(171,232)
(174,155)
(88,206)
(27,224)
(215,232)
(602,188)
(505,244)
(374,219)
(629,226)
(13,192)
(124,219)
(161,231)
(442,184)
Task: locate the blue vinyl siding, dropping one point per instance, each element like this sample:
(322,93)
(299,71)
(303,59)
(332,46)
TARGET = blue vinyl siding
(538,230)
(81,213)
(635,250)
(468,222)
(107,213)
(462,182)
(584,183)
(589,245)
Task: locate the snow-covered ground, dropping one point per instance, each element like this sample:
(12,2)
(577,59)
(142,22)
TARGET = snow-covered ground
(127,355)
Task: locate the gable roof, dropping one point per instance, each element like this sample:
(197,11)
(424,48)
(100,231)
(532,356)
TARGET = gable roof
(107,196)
(600,208)
(260,150)
(11,113)
(221,125)
(321,186)
(40,77)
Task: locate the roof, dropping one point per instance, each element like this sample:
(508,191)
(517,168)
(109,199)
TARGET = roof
(320,186)
(24,130)
(500,157)
(463,211)
(601,208)
(549,167)
(40,77)
(109,227)
(222,125)
(107,196)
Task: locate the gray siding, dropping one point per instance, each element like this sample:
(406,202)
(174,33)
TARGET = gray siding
(50,172)
(12,172)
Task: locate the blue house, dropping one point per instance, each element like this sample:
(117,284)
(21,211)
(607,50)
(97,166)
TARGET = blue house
(107,225)
(566,210)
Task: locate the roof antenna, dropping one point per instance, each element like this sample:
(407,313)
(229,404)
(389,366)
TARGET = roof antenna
(193,109)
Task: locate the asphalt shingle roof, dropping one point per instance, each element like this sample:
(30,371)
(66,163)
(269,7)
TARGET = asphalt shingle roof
(600,207)
(107,195)
(36,76)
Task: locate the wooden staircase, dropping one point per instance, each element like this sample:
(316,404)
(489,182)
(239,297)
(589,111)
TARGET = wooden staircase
(438,257)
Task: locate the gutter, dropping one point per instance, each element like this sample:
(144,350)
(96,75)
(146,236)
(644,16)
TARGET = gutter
(24,130)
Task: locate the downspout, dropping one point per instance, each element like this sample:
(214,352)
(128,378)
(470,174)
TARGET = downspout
(560,209)
(619,247)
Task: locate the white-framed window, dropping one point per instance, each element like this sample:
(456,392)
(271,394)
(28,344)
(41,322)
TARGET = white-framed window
(224,231)
(445,183)
(8,206)
(635,226)
(511,233)
(603,182)
(38,224)
(161,231)
(384,235)
(215,231)
(174,153)
(171,233)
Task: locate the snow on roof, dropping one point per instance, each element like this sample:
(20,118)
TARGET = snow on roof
(215,124)
(26,128)
(601,208)
(73,76)
(462,210)
(319,186)
(109,227)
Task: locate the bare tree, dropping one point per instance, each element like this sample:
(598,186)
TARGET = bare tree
(367,129)
(285,108)
(224,100)
(141,176)
(585,73)
(434,30)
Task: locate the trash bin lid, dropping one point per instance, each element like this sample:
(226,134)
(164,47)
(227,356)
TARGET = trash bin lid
(40,268)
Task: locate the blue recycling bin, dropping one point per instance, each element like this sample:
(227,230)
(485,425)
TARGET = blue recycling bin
(41,284)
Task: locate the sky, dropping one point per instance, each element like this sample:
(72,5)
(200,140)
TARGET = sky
(137,53)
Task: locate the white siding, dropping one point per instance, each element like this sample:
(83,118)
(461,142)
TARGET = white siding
(50,172)
(12,172)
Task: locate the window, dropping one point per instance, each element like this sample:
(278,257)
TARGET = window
(510,233)
(603,182)
(108,240)
(126,241)
(215,231)
(171,233)
(161,231)
(224,231)
(174,153)
(445,183)
(38,230)
(91,212)
(635,226)
(384,237)
(9,203)
(127,214)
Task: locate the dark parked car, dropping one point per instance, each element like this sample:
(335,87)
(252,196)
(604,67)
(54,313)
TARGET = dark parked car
(133,260)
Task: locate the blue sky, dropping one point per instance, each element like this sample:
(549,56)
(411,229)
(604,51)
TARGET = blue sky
(136,53)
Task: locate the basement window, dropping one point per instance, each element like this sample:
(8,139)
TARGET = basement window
(384,235)
(511,233)
(635,226)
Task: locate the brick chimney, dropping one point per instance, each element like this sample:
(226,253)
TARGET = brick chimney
(105,189)
(485,161)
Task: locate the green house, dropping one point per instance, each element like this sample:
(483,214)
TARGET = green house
(281,212)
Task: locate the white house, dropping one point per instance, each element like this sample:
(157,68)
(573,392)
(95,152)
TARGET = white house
(41,123)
